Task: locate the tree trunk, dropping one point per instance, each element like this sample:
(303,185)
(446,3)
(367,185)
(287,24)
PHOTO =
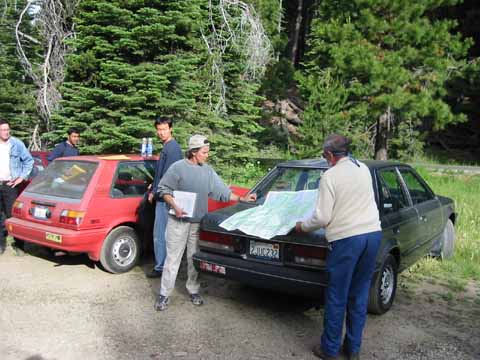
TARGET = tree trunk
(381,140)
(296,32)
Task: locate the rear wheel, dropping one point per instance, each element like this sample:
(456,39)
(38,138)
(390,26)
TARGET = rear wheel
(120,250)
(383,287)
(447,241)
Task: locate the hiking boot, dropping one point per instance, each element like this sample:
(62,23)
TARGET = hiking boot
(154,274)
(318,352)
(196,299)
(161,303)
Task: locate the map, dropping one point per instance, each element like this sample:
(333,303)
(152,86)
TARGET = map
(277,216)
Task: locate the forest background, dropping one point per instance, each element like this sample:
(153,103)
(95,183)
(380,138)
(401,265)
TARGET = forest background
(264,79)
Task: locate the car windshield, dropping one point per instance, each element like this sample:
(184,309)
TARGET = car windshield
(64,178)
(288,179)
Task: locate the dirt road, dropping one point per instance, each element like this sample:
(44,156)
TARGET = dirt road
(66,308)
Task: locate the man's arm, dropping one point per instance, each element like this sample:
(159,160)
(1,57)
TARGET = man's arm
(170,200)
(323,209)
(56,152)
(27,165)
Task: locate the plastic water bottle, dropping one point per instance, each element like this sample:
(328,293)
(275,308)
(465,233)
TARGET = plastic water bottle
(143,151)
(149,147)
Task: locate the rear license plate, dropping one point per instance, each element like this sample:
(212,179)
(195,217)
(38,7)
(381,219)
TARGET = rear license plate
(53,237)
(265,250)
(214,268)
(40,212)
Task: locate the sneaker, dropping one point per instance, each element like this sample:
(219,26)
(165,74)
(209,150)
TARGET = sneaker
(318,352)
(161,303)
(154,274)
(196,299)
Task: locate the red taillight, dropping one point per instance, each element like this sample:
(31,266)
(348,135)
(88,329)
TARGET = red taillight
(17,208)
(217,241)
(308,255)
(71,217)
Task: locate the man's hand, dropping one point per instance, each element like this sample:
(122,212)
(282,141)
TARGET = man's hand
(298,227)
(150,197)
(179,213)
(248,198)
(15,182)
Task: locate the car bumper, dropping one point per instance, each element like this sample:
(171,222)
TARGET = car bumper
(307,283)
(84,241)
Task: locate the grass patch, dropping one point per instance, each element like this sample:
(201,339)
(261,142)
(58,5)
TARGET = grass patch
(465,264)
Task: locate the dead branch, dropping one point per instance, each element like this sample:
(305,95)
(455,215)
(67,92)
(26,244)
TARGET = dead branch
(240,29)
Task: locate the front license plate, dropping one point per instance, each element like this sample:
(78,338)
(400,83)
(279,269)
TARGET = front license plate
(53,237)
(265,251)
(40,212)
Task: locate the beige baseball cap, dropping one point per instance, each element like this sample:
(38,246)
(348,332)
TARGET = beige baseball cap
(197,141)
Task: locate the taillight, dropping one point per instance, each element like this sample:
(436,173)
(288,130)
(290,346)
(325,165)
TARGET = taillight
(71,217)
(17,208)
(217,241)
(307,255)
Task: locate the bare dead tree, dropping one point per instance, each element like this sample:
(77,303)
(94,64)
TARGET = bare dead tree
(53,19)
(240,28)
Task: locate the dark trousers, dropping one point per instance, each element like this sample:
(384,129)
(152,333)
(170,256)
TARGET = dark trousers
(7,198)
(350,266)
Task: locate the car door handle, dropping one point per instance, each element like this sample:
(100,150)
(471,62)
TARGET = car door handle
(396,230)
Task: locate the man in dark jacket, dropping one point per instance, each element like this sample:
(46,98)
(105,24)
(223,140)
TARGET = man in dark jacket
(67,147)
(170,153)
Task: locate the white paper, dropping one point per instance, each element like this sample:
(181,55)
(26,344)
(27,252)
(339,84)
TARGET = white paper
(185,201)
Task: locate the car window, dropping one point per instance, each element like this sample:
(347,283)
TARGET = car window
(132,178)
(64,178)
(418,191)
(290,179)
(392,196)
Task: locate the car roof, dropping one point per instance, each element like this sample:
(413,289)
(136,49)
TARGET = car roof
(322,163)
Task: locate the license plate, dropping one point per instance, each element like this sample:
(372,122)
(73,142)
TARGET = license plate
(53,237)
(214,268)
(265,250)
(40,212)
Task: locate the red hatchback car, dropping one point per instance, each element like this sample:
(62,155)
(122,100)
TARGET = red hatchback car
(89,204)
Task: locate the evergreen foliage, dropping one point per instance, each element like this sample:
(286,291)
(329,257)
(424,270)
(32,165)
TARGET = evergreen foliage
(368,56)
(17,93)
(137,60)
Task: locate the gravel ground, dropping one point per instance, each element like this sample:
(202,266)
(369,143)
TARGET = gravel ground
(67,308)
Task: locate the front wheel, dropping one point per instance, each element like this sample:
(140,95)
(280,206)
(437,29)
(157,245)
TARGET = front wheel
(120,250)
(383,287)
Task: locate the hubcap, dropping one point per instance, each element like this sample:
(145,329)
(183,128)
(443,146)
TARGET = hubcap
(124,251)
(386,287)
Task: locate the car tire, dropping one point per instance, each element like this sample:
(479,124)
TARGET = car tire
(447,241)
(120,250)
(383,287)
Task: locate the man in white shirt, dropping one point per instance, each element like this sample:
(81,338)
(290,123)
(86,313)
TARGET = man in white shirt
(16,163)
(346,208)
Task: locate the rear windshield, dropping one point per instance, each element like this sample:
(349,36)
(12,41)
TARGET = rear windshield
(64,178)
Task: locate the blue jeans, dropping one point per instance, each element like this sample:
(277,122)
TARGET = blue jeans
(350,265)
(159,244)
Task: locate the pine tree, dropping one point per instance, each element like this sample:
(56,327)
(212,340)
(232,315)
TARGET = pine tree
(135,61)
(17,93)
(380,59)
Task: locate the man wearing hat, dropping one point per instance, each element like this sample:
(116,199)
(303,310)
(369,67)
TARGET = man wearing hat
(191,174)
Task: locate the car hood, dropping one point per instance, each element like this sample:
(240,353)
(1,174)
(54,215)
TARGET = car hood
(211,222)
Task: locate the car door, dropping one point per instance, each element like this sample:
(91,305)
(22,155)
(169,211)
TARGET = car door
(398,214)
(427,206)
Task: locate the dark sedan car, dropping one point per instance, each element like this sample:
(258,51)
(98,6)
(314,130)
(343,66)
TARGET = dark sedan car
(415,222)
